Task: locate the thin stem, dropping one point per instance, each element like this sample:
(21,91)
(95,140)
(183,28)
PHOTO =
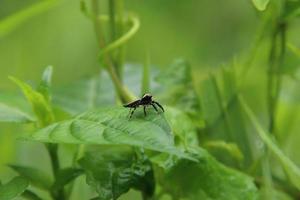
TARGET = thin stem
(276,60)
(52,150)
(124,38)
(270,82)
(267,176)
(112,20)
(78,154)
(120,27)
(122,92)
(223,108)
(146,75)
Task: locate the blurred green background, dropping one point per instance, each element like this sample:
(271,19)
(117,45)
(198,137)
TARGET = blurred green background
(204,32)
(208,33)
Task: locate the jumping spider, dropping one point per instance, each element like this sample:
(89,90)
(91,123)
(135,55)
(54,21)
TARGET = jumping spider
(145,101)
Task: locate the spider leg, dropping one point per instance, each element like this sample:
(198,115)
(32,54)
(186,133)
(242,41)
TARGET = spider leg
(132,112)
(159,105)
(145,111)
(154,107)
(129,112)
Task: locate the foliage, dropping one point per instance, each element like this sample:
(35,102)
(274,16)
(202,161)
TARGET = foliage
(211,143)
(13,188)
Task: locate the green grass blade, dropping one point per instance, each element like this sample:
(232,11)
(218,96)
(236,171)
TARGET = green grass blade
(290,167)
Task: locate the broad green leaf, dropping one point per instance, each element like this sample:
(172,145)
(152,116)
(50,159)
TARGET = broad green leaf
(292,170)
(65,176)
(45,84)
(112,126)
(13,21)
(260,5)
(207,180)
(113,174)
(36,177)
(10,114)
(40,106)
(13,188)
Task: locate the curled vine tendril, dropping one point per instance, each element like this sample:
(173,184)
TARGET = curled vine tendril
(125,37)
(131,19)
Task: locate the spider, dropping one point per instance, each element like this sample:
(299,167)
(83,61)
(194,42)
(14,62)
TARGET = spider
(145,101)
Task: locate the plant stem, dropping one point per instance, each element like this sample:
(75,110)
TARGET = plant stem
(112,20)
(120,57)
(52,150)
(122,92)
(274,87)
(146,75)
(276,60)
(78,154)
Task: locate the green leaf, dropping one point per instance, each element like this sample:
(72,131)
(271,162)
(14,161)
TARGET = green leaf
(113,126)
(291,61)
(36,177)
(17,102)
(222,113)
(45,84)
(290,167)
(13,188)
(207,180)
(277,194)
(10,114)
(40,106)
(230,148)
(210,101)
(65,176)
(27,194)
(96,91)
(182,126)
(260,5)
(113,174)
(85,94)
(292,9)
(13,21)
(176,87)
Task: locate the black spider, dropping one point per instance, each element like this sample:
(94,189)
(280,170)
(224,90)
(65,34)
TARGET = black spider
(145,101)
